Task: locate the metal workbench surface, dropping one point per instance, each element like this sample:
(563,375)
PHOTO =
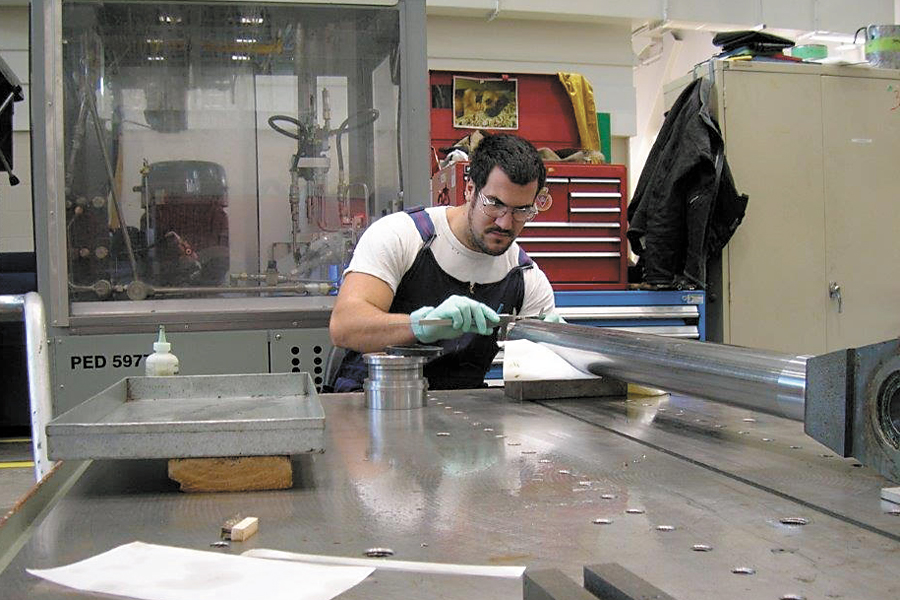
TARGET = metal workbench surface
(521,484)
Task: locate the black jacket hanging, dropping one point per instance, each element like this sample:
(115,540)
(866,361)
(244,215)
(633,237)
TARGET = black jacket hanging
(686,206)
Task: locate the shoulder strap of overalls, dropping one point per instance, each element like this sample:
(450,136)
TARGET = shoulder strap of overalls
(525,261)
(423,222)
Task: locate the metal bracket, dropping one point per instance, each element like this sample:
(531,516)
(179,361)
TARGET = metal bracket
(612,581)
(551,584)
(608,581)
(853,404)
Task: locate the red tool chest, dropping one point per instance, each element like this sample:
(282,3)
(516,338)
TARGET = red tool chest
(579,241)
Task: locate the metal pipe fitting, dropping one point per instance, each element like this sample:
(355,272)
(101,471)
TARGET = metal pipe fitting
(395,382)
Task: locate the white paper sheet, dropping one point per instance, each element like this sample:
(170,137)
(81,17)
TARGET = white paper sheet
(524,360)
(152,572)
(391,564)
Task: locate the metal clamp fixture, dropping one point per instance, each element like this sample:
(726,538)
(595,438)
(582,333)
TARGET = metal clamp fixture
(396,377)
(853,404)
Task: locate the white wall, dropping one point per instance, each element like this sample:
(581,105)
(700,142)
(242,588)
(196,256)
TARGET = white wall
(15,202)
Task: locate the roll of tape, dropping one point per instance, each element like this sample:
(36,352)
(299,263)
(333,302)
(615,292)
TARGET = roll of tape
(810,51)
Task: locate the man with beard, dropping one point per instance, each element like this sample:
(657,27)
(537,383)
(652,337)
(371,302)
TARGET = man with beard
(459,263)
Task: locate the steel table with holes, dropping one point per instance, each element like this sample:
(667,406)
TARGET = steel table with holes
(513,484)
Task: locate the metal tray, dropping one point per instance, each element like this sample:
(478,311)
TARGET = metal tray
(193,416)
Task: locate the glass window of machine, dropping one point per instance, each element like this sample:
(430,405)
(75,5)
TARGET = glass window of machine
(219,150)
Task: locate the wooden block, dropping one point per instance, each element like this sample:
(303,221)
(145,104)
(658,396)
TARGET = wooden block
(891,494)
(232,474)
(244,529)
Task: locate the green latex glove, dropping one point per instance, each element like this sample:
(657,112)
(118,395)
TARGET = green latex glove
(553,318)
(468,315)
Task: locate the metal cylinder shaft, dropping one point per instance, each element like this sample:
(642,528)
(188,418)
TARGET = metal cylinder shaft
(767,381)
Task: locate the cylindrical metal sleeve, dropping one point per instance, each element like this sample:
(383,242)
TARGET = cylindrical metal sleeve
(768,381)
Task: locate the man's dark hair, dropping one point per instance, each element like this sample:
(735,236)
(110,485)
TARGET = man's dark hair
(515,156)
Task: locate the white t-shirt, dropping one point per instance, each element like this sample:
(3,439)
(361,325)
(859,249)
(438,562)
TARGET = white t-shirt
(389,247)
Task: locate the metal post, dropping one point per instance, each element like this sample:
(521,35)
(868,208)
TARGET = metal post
(30,308)
(767,381)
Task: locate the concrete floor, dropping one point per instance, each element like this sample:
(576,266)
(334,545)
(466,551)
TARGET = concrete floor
(16,471)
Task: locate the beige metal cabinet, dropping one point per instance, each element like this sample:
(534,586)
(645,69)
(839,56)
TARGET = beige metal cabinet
(815,265)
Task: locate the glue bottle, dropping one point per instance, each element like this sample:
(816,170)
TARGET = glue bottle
(161,362)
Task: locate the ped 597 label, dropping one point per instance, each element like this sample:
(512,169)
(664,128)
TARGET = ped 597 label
(101,361)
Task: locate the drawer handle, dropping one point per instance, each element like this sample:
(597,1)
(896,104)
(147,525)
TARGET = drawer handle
(574,254)
(563,224)
(595,194)
(629,312)
(553,240)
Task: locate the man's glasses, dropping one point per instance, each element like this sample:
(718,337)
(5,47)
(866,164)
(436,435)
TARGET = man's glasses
(496,209)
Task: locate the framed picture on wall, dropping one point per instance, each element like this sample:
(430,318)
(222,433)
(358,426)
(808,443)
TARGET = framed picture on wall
(485,103)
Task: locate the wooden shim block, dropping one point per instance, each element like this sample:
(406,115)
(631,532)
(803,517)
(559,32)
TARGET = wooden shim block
(891,494)
(244,530)
(232,474)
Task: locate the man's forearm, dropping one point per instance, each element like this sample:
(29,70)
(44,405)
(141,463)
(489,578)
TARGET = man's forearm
(369,329)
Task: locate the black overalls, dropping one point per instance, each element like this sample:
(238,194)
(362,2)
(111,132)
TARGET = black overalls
(466,359)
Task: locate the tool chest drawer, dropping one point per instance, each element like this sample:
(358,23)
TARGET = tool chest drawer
(579,240)
(670,313)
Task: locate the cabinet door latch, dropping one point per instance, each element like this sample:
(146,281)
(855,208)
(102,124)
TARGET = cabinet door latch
(834,292)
